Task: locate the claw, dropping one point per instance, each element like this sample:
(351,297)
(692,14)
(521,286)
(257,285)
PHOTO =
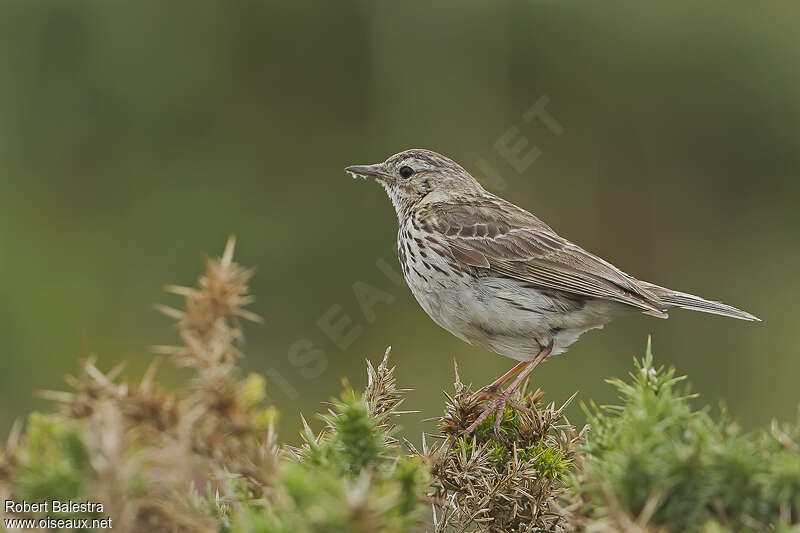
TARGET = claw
(498,416)
(497,405)
(489,393)
(521,371)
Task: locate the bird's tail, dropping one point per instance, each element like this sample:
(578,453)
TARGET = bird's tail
(684,300)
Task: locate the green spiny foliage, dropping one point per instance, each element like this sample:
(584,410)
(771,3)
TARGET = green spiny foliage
(547,460)
(352,475)
(354,441)
(55,461)
(655,460)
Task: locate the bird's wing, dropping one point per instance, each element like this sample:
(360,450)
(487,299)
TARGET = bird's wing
(511,242)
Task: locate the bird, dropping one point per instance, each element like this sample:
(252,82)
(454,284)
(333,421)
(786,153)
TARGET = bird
(494,275)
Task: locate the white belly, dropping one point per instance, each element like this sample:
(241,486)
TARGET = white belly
(495,312)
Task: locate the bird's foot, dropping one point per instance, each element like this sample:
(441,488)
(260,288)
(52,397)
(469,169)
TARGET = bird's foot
(498,404)
(489,392)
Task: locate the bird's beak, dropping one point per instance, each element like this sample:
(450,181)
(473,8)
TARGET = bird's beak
(364,171)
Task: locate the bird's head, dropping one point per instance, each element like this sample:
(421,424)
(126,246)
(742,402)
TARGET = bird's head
(412,175)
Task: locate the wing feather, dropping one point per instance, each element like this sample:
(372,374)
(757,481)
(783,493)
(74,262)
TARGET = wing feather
(511,242)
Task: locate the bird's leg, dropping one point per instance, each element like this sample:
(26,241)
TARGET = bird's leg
(498,405)
(490,391)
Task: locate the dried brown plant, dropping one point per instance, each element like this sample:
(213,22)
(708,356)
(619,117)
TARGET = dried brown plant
(150,449)
(507,482)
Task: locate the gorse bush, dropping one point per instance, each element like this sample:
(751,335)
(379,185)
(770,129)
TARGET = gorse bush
(505,482)
(204,457)
(154,457)
(352,475)
(655,460)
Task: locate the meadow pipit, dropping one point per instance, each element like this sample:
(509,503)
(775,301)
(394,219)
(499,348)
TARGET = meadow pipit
(494,275)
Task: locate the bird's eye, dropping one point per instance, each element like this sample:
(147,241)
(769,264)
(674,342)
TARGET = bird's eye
(406,171)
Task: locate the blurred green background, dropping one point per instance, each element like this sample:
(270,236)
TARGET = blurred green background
(135,136)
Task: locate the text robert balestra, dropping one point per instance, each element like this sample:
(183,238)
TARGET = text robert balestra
(52,506)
